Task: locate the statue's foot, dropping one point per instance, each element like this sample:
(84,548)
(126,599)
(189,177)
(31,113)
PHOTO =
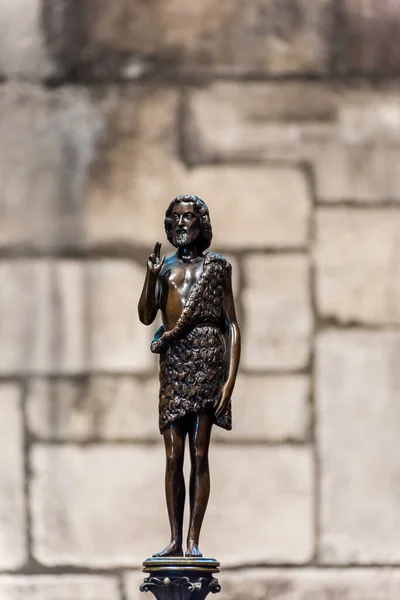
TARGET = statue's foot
(173,549)
(193,550)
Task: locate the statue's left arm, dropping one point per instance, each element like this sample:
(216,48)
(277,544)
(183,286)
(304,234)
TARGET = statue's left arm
(233,343)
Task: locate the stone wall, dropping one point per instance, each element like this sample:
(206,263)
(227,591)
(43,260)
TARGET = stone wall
(285,116)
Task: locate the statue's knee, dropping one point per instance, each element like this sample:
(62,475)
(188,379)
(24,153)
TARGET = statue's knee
(174,464)
(200,462)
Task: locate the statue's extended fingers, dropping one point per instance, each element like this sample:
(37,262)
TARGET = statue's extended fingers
(157,249)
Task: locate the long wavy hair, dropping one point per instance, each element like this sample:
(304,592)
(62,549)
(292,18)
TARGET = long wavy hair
(204,238)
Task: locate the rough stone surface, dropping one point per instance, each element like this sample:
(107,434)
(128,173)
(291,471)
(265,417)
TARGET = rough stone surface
(358,159)
(311,584)
(136,172)
(118,341)
(98,407)
(256,121)
(113,493)
(369,33)
(350,138)
(23,52)
(12,504)
(269,409)
(126,408)
(273,204)
(127,39)
(132,581)
(128,521)
(44,329)
(294,584)
(278,316)
(264,498)
(48,140)
(358,419)
(358,265)
(58,587)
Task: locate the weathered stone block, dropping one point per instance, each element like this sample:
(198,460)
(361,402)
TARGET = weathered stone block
(115,494)
(358,265)
(269,409)
(58,587)
(127,39)
(23,51)
(261,507)
(278,317)
(350,138)
(99,407)
(13,549)
(43,331)
(132,581)
(311,584)
(358,418)
(138,172)
(118,341)
(122,408)
(232,121)
(254,207)
(358,158)
(48,140)
(294,584)
(67,303)
(368,38)
(258,121)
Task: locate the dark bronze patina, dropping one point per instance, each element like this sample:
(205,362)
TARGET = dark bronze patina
(199,348)
(181,578)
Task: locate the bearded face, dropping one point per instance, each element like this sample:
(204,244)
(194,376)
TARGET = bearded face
(185,224)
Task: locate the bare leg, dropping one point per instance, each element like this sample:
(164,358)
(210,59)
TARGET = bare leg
(174,439)
(199,439)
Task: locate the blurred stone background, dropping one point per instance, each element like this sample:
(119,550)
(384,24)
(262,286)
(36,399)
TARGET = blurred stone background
(284,115)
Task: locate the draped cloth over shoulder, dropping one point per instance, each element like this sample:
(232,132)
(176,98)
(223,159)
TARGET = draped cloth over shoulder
(193,352)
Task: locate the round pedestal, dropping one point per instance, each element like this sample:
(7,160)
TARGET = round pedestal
(180,578)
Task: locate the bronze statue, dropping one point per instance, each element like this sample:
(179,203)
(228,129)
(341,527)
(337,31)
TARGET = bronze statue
(199,348)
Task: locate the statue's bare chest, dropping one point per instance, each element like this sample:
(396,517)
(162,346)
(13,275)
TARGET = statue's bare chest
(176,283)
(181,278)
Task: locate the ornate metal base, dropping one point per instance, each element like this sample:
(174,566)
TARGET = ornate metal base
(180,578)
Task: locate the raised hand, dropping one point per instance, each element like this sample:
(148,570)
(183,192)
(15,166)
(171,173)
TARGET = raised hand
(155,262)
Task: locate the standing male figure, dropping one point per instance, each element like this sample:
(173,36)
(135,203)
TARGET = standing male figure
(199,347)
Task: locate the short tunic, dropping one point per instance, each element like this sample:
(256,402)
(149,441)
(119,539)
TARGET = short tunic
(193,353)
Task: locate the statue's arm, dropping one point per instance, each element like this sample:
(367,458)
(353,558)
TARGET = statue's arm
(233,343)
(148,305)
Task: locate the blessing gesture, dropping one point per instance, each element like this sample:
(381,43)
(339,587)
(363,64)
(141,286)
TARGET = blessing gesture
(155,262)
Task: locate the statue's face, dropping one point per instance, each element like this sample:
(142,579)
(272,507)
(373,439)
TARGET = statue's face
(185,224)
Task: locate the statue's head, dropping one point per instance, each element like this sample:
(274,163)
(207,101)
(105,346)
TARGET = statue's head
(187,221)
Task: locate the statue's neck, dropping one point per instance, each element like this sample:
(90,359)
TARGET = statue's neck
(188,253)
